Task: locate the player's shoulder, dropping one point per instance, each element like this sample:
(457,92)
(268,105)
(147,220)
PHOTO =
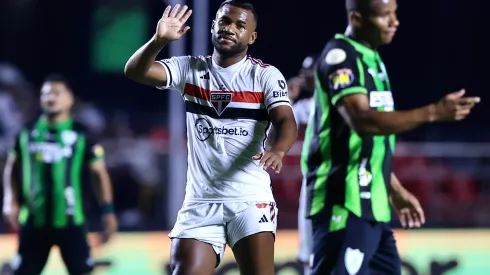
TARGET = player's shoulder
(264,70)
(80,128)
(336,51)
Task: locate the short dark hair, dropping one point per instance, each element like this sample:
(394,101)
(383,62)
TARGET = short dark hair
(242,4)
(361,6)
(57,77)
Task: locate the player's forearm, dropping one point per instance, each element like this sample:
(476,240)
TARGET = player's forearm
(386,123)
(285,134)
(395,184)
(103,188)
(9,184)
(140,62)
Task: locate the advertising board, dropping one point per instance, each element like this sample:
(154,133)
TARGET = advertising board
(429,252)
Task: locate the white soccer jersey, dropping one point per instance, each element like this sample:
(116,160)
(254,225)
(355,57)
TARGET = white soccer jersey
(227,124)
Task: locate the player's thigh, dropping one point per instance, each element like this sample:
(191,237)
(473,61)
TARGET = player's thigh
(360,243)
(34,247)
(386,260)
(344,244)
(198,239)
(75,250)
(251,234)
(192,257)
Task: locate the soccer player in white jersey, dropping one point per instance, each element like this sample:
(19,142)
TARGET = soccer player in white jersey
(231,100)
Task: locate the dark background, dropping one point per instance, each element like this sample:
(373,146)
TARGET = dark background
(440,47)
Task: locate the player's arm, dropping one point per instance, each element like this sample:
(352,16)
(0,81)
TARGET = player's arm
(11,187)
(94,156)
(277,103)
(100,176)
(141,66)
(406,205)
(342,80)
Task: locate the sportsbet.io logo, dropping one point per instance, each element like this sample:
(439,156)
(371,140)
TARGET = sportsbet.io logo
(204,130)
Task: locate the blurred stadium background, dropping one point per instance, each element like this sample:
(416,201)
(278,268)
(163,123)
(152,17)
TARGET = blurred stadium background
(438,49)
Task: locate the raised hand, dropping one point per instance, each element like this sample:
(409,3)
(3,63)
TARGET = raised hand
(454,106)
(171,26)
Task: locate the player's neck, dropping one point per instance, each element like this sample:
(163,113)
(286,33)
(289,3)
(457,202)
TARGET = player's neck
(359,37)
(57,118)
(226,61)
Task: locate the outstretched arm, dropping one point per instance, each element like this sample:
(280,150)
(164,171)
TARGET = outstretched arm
(141,66)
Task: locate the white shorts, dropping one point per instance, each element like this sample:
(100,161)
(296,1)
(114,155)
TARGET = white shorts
(305,230)
(224,223)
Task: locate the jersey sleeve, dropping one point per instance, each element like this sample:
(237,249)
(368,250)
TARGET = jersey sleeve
(176,69)
(275,89)
(340,73)
(94,150)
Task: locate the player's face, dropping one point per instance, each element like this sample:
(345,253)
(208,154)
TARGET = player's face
(233,30)
(382,22)
(55,98)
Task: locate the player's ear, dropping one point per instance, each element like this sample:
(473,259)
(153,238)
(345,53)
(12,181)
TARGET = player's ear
(355,19)
(252,39)
(212,26)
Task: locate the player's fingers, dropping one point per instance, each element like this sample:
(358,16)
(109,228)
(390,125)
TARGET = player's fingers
(166,11)
(416,220)
(469,100)
(410,221)
(181,13)
(274,165)
(185,30)
(269,162)
(263,160)
(463,112)
(258,156)
(186,16)
(279,167)
(174,11)
(457,94)
(403,222)
(421,214)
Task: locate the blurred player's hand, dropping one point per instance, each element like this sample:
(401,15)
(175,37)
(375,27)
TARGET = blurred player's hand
(454,106)
(110,225)
(171,25)
(270,159)
(11,215)
(408,208)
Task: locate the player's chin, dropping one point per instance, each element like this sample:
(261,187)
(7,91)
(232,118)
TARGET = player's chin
(387,38)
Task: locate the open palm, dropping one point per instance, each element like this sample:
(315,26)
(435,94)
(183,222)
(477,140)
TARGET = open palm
(171,25)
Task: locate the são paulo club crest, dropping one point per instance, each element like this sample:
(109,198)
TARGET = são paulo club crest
(220,101)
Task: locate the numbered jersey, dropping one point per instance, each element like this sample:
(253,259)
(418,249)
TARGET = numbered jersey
(52,158)
(227,112)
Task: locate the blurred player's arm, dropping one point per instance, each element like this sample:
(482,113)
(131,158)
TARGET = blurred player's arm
(340,75)
(406,205)
(102,185)
(11,188)
(141,66)
(100,176)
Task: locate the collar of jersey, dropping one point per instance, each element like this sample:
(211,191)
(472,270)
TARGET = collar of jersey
(358,46)
(218,67)
(64,125)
